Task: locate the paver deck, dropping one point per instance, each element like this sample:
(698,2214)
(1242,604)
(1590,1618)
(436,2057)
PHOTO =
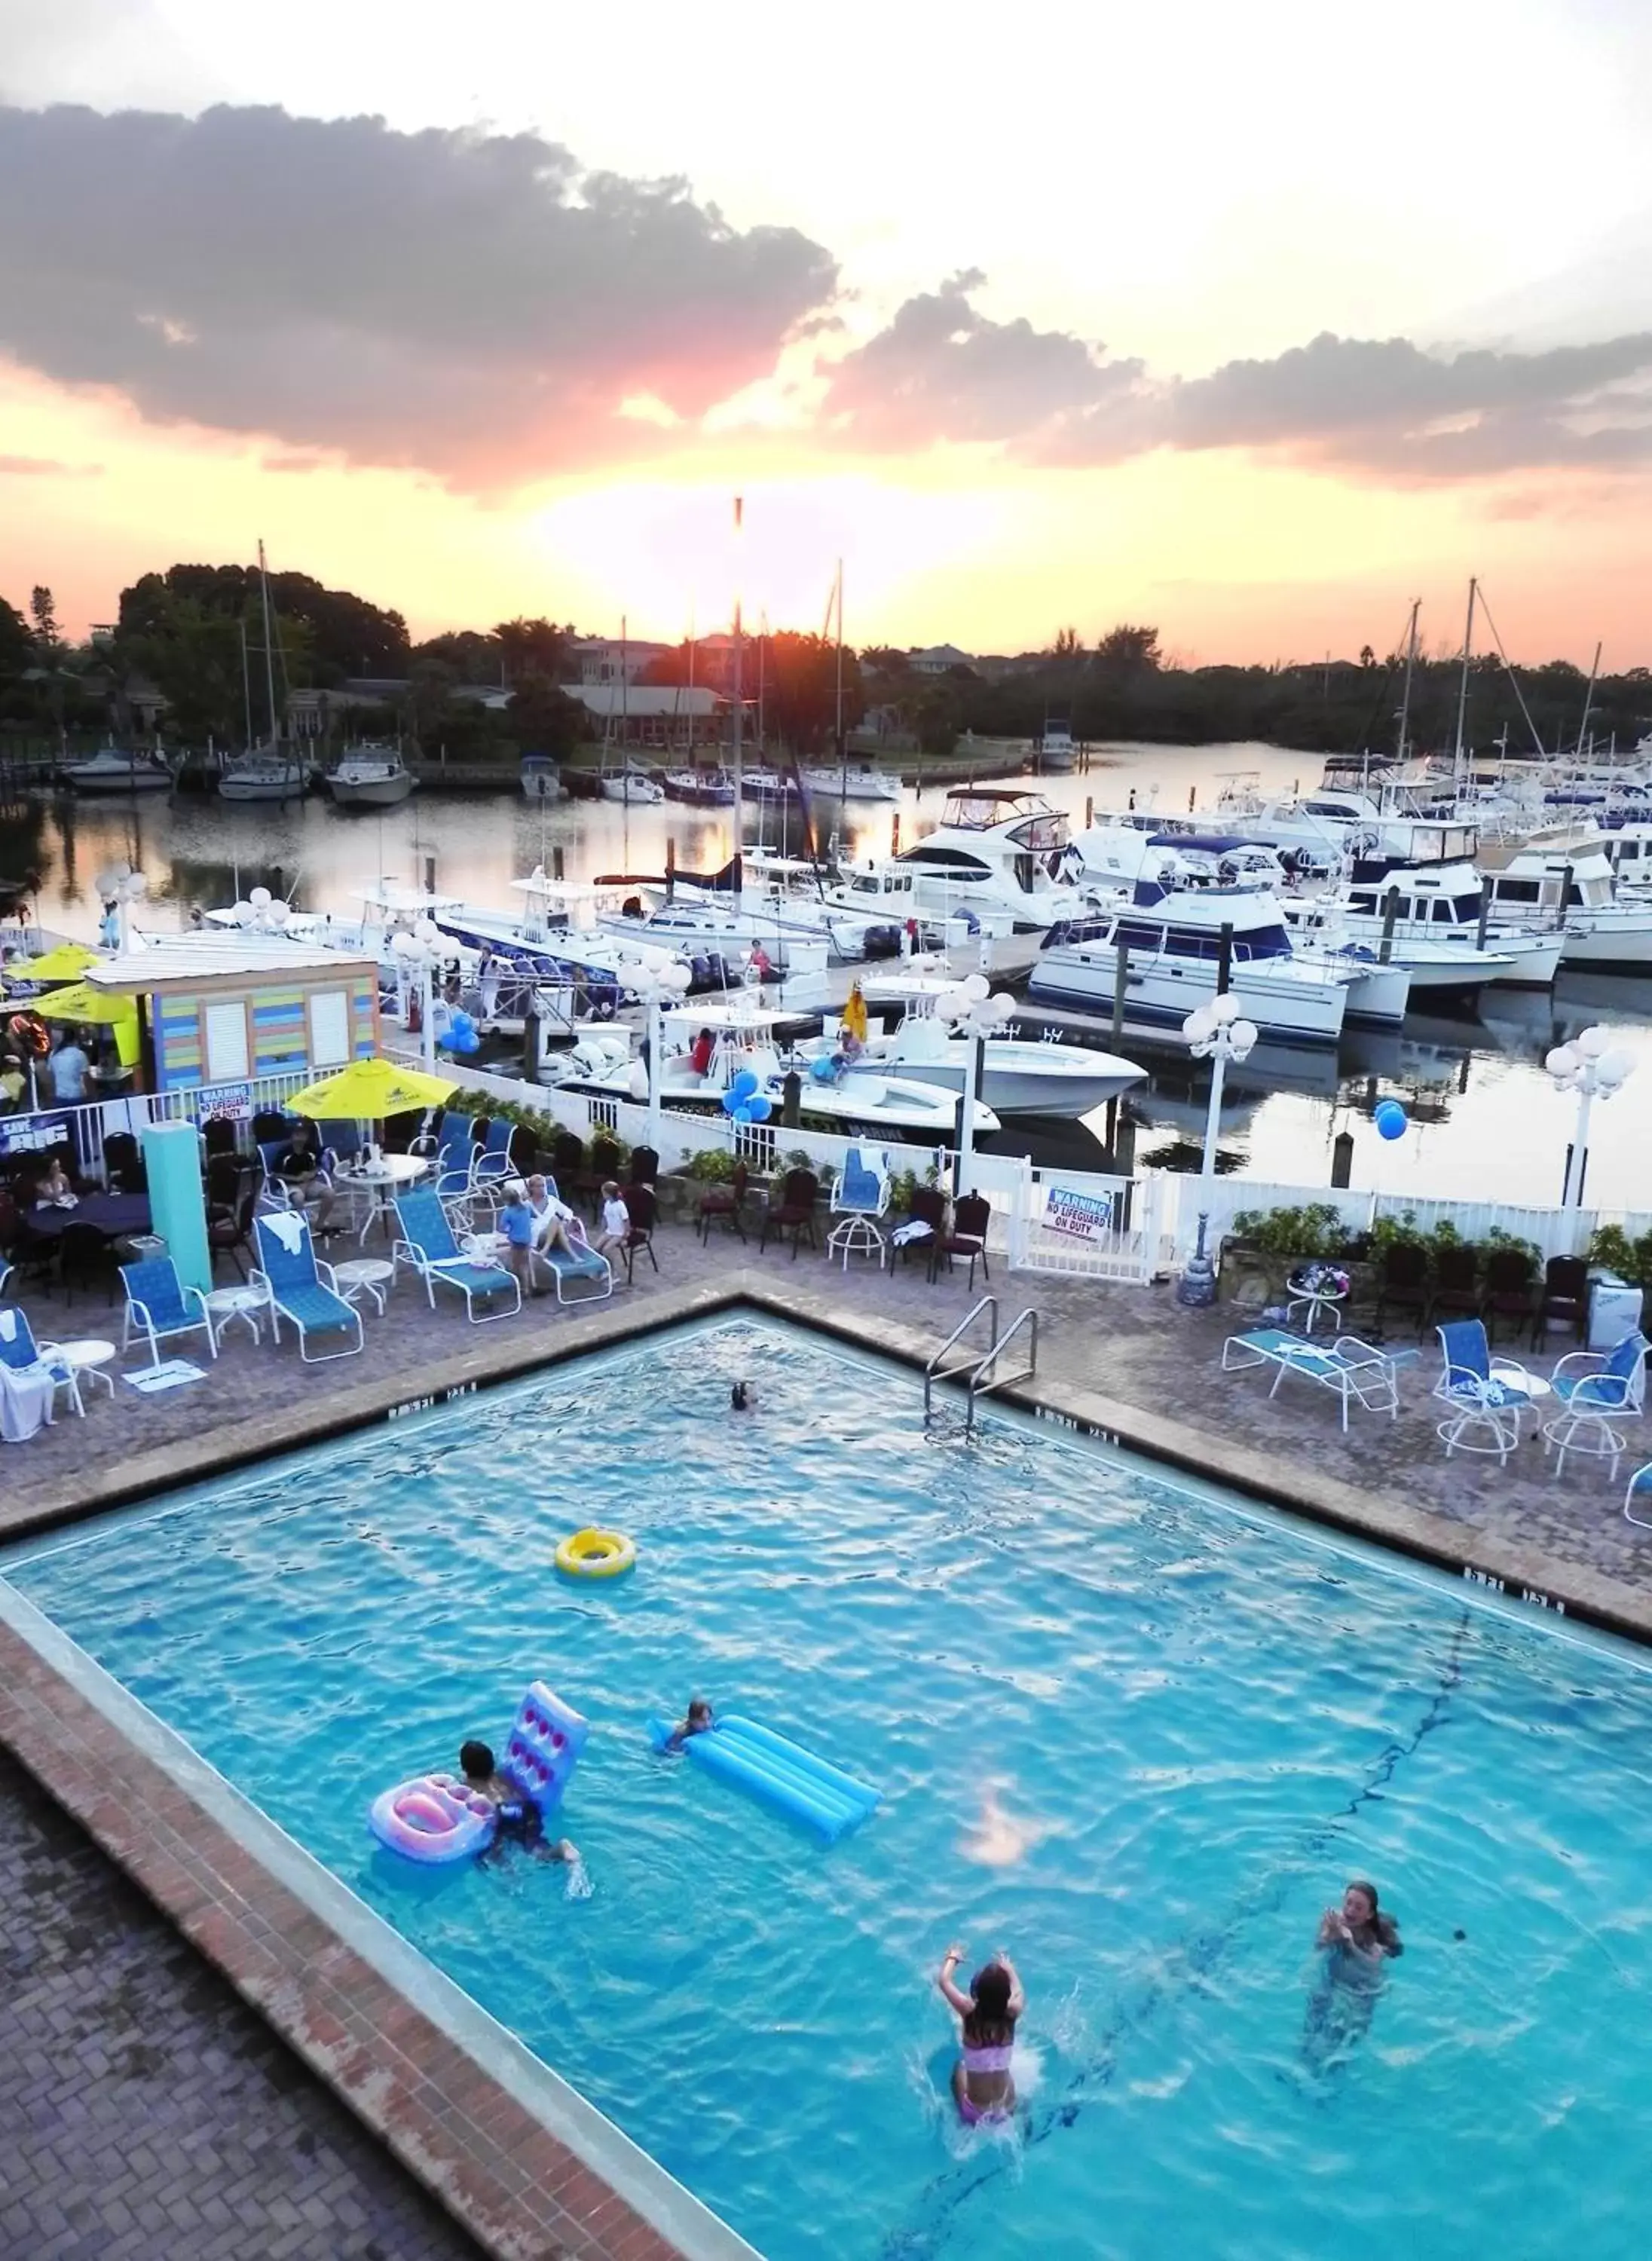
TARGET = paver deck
(1125,1360)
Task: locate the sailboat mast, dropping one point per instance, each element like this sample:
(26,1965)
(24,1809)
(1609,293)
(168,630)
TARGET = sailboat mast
(1411,663)
(245,686)
(1589,700)
(269,660)
(739,875)
(1457,758)
(843,742)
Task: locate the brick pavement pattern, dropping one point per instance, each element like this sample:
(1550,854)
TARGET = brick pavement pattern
(146,2113)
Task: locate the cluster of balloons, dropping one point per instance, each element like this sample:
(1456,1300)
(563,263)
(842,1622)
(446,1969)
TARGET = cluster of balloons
(1389,1119)
(462,1035)
(744,1101)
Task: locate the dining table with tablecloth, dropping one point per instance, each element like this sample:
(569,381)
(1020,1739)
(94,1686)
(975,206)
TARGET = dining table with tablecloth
(114,1215)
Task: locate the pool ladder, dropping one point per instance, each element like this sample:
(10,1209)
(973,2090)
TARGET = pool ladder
(979,1374)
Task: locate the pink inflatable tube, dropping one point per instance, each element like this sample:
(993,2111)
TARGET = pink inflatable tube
(432,1818)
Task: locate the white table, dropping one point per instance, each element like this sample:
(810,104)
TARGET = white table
(85,1358)
(365,1275)
(225,1305)
(1317,1300)
(381,1181)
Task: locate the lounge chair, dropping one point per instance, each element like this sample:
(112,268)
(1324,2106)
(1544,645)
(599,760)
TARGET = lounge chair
(452,1158)
(861,1197)
(1355,1372)
(33,1375)
(1596,1392)
(159,1307)
(302,1289)
(426,1241)
(1488,1400)
(579,1262)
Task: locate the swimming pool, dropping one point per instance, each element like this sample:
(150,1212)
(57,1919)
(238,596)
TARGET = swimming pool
(1138,1734)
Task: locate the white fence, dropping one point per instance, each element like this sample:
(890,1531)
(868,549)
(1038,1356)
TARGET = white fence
(87,1126)
(1553,1232)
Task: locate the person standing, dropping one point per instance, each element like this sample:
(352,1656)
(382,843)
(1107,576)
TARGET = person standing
(70,1063)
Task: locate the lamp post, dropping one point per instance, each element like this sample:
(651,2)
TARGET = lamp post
(662,982)
(416,955)
(972,1011)
(1588,1067)
(1215,1032)
(123,886)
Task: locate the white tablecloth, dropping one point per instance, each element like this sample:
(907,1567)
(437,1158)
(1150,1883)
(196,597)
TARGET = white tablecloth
(25,1402)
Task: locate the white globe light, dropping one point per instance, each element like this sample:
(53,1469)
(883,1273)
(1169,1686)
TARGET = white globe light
(677,980)
(403,945)
(976,987)
(1005,1006)
(1562,1062)
(137,885)
(427,930)
(1593,1043)
(1200,1025)
(280,913)
(1615,1068)
(952,1000)
(1223,1007)
(260,899)
(639,1081)
(242,913)
(1244,1034)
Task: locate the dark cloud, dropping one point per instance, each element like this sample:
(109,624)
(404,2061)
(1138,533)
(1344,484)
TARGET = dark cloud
(45,467)
(472,303)
(942,371)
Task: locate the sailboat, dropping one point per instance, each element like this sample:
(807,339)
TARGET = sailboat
(630,783)
(273,771)
(843,783)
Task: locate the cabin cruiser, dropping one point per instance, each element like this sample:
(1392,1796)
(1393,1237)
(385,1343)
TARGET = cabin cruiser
(114,770)
(697,788)
(1443,927)
(1019,1075)
(370,777)
(852,783)
(633,786)
(844,1096)
(1172,940)
(1573,884)
(275,774)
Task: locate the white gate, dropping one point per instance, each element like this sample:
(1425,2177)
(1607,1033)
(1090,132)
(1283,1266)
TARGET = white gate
(1074,1222)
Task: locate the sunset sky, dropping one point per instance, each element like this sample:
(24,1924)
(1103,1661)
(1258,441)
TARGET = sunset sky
(1252,322)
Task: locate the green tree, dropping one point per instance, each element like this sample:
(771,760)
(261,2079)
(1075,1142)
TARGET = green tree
(537,647)
(544,719)
(48,635)
(16,645)
(1128,650)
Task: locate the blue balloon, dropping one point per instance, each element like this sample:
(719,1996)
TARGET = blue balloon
(758,1108)
(732,1102)
(744,1084)
(1389,1119)
(743,1113)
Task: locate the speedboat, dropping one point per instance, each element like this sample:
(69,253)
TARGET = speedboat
(112,770)
(370,777)
(1019,1076)
(852,1099)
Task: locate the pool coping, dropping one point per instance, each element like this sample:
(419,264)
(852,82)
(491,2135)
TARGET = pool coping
(511,2150)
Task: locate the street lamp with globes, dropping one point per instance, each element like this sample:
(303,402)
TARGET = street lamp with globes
(661,981)
(1219,1033)
(1588,1067)
(972,1011)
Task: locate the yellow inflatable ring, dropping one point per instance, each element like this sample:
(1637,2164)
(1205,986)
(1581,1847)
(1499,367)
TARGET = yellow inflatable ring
(596,1554)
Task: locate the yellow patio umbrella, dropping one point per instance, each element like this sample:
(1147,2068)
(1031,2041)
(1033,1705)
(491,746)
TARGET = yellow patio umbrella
(111,1008)
(368,1090)
(855,1015)
(67,963)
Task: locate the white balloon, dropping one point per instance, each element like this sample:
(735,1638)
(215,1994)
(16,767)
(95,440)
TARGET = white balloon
(1592,1042)
(260,899)
(1244,1034)
(976,986)
(1563,1062)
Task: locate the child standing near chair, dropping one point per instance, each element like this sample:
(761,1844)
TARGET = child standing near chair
(616,1223)
(516,1222)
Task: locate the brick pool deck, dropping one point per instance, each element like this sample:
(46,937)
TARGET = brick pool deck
(1123,1362)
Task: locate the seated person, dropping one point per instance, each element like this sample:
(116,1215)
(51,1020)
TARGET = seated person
(54,1189)
(550,1216)
(519,1816)
(298,1167)
(699,1722)
(616,1223)
(700,1053)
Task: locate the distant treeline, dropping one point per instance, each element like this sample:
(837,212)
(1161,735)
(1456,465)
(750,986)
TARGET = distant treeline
(194,635)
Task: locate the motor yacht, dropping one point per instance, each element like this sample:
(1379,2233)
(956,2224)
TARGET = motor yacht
(370,777)
(111,769)
(1604,932)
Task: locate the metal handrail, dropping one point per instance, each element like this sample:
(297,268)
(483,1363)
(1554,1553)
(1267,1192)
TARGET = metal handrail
(980,1385)
(934,1371)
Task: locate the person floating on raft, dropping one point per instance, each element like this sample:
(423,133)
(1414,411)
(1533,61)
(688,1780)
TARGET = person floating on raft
(983,2083)
(1357,1940)
(697,1721)
(517,1818)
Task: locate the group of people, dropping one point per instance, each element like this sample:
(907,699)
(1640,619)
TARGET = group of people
(534,1221)
(65,1076)
(1356,1940)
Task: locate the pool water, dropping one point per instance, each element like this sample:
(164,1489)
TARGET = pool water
(1137,1733)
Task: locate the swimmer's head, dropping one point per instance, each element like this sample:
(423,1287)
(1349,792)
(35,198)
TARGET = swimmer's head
(699,1712)
(1359,1903)
(990,1987)
(476,1761)
(740,1396)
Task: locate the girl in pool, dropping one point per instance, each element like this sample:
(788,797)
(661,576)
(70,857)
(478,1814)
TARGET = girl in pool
(1356,1938)
(983,2086)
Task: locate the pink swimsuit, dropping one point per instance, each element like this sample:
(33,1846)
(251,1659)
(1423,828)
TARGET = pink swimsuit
(984,2060)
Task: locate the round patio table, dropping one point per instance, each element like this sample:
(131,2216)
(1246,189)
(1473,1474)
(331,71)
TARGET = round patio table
(113,1214)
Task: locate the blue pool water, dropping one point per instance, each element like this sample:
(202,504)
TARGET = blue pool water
(1138,1735)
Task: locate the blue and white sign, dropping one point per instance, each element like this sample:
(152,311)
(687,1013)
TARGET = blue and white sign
(33,1134)
(227,1103)
(1081,1216)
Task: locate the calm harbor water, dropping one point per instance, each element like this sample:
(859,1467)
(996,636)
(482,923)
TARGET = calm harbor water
(1485,1122)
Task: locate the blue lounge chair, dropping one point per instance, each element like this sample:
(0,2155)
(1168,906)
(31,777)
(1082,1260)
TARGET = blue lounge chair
(1355,1373)
(453,1156)
(160,1307)
(579,1261)
(1597,1391)
(427,1243)
(300,1289)
(20,1353)
(1489,1400)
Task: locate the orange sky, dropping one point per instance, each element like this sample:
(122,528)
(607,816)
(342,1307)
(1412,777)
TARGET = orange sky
(984,485)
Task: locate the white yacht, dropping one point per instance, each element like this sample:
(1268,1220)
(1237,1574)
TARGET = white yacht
(1173,938)
(1019,1075)
(267,773)
(1054,750)
(853,784)
(1442,928)
(855,1101)
(370,777)
(633,786)
(114,770)
(1604,933)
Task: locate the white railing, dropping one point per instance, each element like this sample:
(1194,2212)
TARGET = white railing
(86,1125)
(1552,1231)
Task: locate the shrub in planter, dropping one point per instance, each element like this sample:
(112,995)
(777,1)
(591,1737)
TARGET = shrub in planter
(1315,1230)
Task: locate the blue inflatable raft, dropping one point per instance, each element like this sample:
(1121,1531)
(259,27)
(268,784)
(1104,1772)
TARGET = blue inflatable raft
(778,1771)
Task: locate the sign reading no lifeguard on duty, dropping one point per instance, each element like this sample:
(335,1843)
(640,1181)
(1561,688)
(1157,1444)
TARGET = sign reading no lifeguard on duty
(1081,1216)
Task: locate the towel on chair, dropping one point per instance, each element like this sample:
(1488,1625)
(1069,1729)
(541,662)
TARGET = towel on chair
(288,1226)
(8,1326)
(26,1399)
